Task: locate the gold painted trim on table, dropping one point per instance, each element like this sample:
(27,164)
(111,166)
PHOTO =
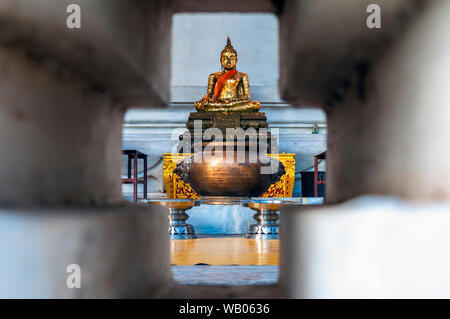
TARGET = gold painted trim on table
(176,188)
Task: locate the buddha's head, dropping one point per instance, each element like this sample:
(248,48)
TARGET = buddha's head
(228,57)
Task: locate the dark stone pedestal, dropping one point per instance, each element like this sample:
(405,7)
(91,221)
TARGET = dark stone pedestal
(230,120)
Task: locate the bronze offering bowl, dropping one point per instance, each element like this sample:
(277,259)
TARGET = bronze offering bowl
(222,175)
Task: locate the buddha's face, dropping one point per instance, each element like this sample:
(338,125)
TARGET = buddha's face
(228,59)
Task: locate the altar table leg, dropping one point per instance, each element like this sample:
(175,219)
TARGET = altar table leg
(178,228)
(266,226)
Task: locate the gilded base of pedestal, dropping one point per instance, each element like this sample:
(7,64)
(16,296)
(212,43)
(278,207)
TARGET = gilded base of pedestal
(176,188)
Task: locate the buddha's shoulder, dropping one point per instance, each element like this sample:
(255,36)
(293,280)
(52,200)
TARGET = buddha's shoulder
(215,74)
(243,74)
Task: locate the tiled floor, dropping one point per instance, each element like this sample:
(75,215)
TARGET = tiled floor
(225,260)
(225,275)
(235,250)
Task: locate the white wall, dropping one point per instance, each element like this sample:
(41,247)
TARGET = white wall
(198,39)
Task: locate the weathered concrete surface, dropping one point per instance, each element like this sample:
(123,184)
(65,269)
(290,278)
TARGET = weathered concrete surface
(383,91)
(325,44)
(391,137)
(122,46)
(225,6)
(60,140)
(371,247)
(123,252)
(60,116)
(225,292)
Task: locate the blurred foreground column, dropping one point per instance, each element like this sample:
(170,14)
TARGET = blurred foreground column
(369,247)
(63,93)
(388,106)
(385,92)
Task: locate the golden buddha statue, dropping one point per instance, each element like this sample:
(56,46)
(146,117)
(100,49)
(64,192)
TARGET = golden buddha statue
(228,90)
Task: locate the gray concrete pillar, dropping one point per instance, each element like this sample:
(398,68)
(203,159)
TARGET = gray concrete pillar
(389,134)
(388,128)
(60,138)
(370,247)
(60,142)
(382,88)
(121,46)
(63,94)
(121,252)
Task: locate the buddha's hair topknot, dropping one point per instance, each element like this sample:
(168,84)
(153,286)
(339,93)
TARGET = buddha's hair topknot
(228,47)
